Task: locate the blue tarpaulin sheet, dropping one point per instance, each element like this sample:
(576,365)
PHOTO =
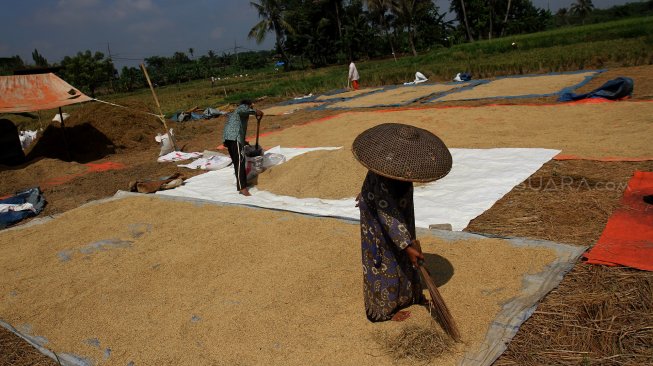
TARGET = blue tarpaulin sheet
(31,195)
(618,88)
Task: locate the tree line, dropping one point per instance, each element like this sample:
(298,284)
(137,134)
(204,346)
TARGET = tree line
(315,33)
(94,72)
(322,32)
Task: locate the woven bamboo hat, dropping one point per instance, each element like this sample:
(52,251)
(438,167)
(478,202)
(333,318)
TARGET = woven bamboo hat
(402,152)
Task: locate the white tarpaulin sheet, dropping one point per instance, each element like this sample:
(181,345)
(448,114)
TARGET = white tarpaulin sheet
(478,178)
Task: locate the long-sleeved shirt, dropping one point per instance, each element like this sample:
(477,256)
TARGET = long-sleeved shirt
(353,72)
(236,126)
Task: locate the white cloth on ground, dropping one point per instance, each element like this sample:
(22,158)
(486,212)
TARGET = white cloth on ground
(178,156)
(419,78)
(478,178)
(304,96)
(213,162)
(6,207)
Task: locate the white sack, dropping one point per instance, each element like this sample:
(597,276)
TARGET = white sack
(57,117)
(27,137)
(165,142)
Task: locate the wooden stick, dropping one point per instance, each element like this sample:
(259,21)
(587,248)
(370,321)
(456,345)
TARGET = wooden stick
(258,126)
(63,131)
(161,116)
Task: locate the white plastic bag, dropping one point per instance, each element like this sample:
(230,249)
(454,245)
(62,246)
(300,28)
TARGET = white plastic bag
(216,162)
(254,166)
(420,78)
(26,138)
(272,159)
(166,143)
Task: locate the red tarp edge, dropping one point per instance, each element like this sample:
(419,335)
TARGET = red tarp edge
(628,236)
(612,158)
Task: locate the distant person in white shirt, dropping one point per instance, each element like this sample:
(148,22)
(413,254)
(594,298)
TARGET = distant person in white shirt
(353,76)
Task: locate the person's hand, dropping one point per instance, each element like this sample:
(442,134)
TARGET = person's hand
(358,198)
(259,114)
(416,243)
(414,254)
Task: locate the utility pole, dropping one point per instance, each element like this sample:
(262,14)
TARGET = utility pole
(236,50)
(111,75)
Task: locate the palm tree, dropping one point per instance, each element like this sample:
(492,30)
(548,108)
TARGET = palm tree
(405,10)
(563,14)
(39,60)
(491,4)
(582,8)
(505,19)
(382,7)
(470,37)
(271,13)
(337,4)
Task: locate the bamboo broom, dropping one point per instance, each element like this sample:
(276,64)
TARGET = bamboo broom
(440,310)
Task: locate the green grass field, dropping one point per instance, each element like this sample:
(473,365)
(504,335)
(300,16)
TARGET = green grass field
(612,44)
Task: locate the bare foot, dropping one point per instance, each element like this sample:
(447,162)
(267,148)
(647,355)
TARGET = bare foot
(400,316)
(245,192)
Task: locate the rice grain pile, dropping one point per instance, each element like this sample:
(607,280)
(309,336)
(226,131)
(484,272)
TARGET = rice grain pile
(139,282)
(329,174)
(347,94)
(289,108)
(519,86)
(395,96)
(586,130)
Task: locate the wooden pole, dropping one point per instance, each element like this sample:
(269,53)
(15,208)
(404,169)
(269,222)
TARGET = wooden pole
(63,131)
(156,100)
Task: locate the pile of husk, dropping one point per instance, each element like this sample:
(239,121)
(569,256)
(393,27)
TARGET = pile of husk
(95,130)
(415,343)
(597,316)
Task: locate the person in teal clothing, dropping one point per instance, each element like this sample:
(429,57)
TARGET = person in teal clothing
(234,140)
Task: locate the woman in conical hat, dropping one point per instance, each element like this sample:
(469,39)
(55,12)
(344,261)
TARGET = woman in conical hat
(396,155)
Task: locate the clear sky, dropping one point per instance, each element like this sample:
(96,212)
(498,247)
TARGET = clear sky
(132,29)
(135,29)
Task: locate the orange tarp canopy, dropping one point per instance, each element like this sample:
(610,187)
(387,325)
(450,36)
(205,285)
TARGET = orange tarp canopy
(27,93)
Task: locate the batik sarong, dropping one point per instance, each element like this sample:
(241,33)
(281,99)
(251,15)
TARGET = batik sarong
(387,223)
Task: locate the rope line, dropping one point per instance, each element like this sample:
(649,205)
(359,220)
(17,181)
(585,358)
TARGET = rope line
(132,109)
